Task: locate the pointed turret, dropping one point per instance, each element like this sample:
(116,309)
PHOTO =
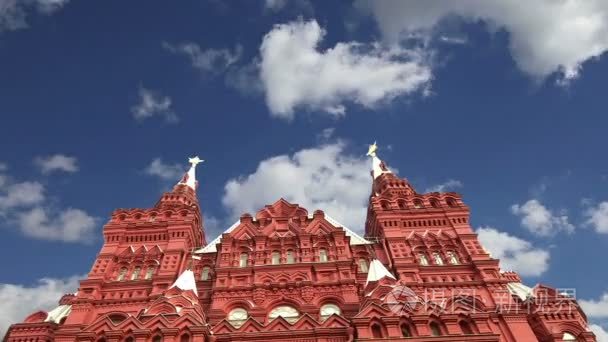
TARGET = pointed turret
(378,166)
(189,178)
(184,192)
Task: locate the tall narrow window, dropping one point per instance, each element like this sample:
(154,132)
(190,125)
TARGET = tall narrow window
(435,330)
(205,273)
(452,258)
(323,255)
(184,338)
(465,327)
(129,339)
(121,274)
(135,274)
(424,261)
(243,260)
(405,330)
(149,272)
(376,331)
(437,259)
(363,266)
(290,257)
(157,338)
(276,258)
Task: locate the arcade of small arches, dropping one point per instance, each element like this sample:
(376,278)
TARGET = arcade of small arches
(323,255)
(419,203)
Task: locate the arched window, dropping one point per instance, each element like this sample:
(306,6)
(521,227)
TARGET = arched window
(434,203)
(363,265)
(377,331)
(405,330)
(290,257)
(157,338)
(135,274)
(276,258)
(465,327)
(289,313)
(205,273)
(424,261)
(435,329)
(451,202)
(184,338)
(418,204)
(568,337)
(402,204)
(149,272)
(243,260)
(237,317)
(323,255)
(437,259)
(328,310)
(121,274)
(452,258)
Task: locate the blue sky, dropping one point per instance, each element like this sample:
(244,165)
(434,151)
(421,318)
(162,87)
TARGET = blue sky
(103,102)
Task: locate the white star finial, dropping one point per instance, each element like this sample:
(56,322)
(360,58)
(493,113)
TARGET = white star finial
(372,150)
(195,160)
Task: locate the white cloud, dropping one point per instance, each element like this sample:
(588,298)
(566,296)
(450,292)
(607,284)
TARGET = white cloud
(3,167)
(601,334)
(151,104)
(13,13)
(21,194)
(596,308)
(19,301)
(597,217)
(168,172)
(514,253)
(69,225)
(324,177)
(24,206)
(326,133)
(296,74)
(450,184)
(57,162)
(539,220)
(545,36)
(207,61)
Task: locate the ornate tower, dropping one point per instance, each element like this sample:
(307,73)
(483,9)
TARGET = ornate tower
(129,286)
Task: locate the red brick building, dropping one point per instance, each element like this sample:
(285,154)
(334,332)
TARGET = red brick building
(287,274)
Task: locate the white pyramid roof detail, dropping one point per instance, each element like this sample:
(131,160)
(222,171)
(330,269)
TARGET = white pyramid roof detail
(185,282)
(58,313)
(377,271)
(355,239)
(520,290)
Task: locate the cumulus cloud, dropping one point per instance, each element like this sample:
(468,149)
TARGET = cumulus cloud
(539,220)
(545,36)
(323,177)
(600,333)
(295,73)
(597,217)
(57,162)
(450,184)
(21,194)
(209,60)
(514,253)
(596,308)
(167,172)
(19,301)
(152,103)
(69,225)
(24,205)
(13,13)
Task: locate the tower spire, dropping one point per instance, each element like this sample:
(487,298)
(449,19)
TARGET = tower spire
(189,178)
(378,166)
